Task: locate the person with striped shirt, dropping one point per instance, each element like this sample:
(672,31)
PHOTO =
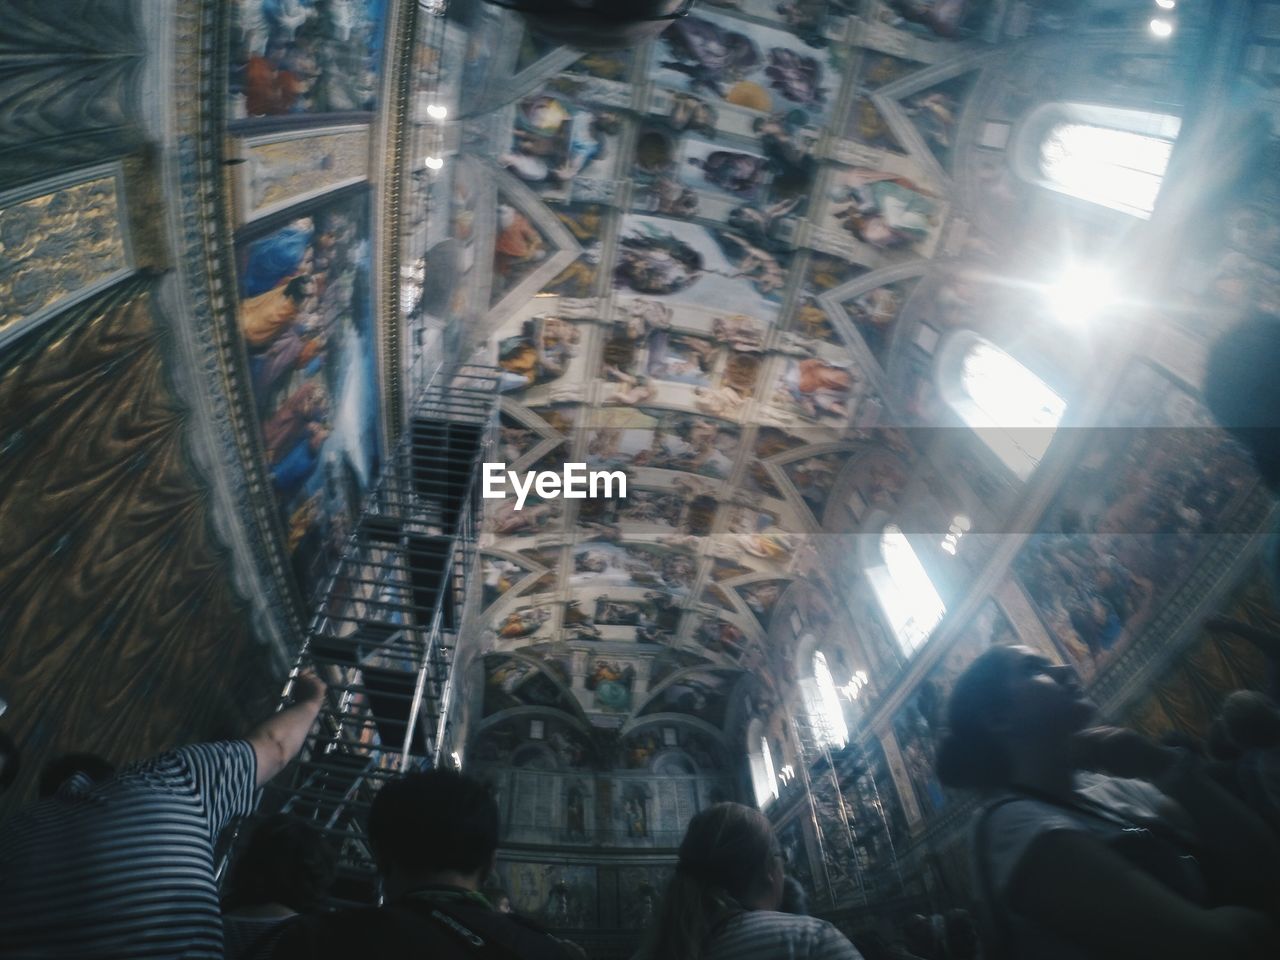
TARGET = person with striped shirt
(123,868)
(723,902)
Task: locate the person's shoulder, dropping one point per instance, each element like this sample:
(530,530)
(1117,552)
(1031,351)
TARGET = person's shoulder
(1135,798)
(804,936)
(789,924)
(333,934)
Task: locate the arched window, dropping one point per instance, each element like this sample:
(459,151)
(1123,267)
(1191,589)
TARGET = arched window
(1014,412)
(1110,156)
(764,781)
(907,596)
(826,712)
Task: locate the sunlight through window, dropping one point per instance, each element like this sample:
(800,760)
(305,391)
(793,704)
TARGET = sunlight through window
(907,595)
(1119,169)
(829,719)
(1009,407)
(770,777)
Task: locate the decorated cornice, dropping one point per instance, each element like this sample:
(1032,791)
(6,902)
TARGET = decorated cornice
(224,437)
(388,223)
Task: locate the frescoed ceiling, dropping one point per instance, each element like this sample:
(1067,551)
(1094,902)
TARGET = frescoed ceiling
(724,262)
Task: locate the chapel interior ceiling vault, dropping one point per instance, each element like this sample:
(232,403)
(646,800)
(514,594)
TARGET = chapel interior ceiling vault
(728,262)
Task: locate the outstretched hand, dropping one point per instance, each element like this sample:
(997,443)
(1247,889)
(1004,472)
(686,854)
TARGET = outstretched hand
(1121,753)
(308,687)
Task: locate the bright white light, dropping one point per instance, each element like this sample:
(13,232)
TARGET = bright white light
(1161,28)
(770,777)
(1009,407)
(457,760)
(433,163)
(1119,169)
(1081,293)
(907,595)
(835,733)
(1166,4)
(854,687)
(437,112)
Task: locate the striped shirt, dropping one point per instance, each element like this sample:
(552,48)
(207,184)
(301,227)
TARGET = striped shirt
(124,869)
(765,935)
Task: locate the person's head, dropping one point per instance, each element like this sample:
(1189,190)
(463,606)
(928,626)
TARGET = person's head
(1252,720)
(61,769)
(729,858)
(961,933)
(1243,393)
(439,826)
(284,861)
(1009,701)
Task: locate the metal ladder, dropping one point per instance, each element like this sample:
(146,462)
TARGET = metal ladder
(384,635)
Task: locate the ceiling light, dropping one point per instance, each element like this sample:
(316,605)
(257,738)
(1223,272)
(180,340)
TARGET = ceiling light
(1081,293)
(433,163)
(1166,4)
(437,112)
(1161,28)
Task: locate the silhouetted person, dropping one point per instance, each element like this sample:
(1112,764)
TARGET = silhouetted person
(284,869)
(1083,848)
(723,902)
(1242,391)
(124,868)
(434,836)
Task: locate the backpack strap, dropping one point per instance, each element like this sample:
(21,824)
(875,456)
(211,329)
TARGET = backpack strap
(997,939)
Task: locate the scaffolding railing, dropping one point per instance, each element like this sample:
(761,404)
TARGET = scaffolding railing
(384,635)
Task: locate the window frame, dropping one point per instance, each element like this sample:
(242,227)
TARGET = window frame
(1026,152)
(1000,440)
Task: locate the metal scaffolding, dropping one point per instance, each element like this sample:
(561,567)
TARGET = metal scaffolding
(385,633)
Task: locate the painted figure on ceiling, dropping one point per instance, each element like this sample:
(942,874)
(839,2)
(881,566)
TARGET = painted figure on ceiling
(796,76)
(517,243)
(944,18)
(737,173)
(692,113)
(884,209)
(540,353)
(709,54)
(555,141)
(657,263)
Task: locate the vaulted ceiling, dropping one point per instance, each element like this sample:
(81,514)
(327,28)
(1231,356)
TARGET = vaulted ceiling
(727,263)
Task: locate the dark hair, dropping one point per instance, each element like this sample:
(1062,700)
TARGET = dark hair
(970,756)
(61,769)
(437,820)
(1243,393)
(285,860)
(10,760)
(962,934)
(724,858)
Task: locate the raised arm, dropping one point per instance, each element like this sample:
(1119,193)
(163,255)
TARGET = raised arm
(278,739)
